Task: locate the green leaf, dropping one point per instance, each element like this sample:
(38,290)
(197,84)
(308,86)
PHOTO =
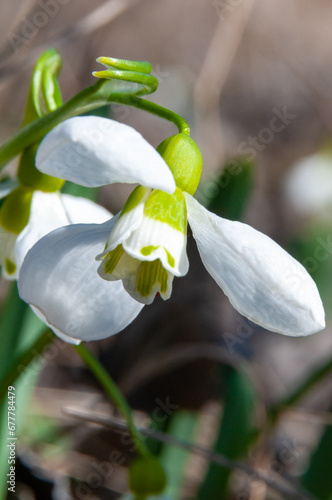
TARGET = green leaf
(317,480)
(236,432)
(174,459)
(44,95)
(76,190)
(19,330)
(10,325)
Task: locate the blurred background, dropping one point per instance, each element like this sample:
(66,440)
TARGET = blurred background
(254,80)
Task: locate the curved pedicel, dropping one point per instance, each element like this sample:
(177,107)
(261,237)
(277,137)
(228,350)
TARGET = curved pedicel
(110,88)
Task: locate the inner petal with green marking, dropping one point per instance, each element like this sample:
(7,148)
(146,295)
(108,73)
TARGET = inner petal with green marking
(147,246)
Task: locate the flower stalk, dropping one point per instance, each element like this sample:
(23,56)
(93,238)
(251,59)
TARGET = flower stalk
(105,91)
(115,395)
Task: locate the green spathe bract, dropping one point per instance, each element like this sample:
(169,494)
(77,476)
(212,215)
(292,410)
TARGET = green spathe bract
(184,159)
(15,211)
(44,97)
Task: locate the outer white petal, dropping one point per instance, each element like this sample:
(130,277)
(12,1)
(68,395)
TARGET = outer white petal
(82,211)
(59,278)
(261,280)
(52,210)
(94,151)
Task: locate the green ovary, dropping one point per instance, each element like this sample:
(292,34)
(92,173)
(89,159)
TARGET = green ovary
(184,159)
(29,176)
(15,210)
(149,273)
(10,266)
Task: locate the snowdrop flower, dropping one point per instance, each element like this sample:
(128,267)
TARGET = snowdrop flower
(308,185)
(144,246)
(27,215)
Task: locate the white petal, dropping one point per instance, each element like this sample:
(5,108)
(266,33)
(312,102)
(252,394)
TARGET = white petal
(146,238)
(83,211)
(127,223)
(141,284)
(94,151)
(52,210)
(59,277)
(169,243)
(7,254)
(7,186)
(261,280)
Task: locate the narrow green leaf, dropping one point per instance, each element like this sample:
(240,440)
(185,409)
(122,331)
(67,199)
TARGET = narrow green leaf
(236,432)
(174,459)
(10,328)
(76,190)
(317,480)
(227,196)
(19,329)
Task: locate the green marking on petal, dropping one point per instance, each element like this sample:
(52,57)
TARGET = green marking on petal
(149,273)
(134,199)
(10,266)
(112,258)
(168,208)
(170,258)
(151,248)
(148,250)
(163,280)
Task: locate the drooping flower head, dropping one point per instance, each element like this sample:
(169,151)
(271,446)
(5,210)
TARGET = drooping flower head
(144,246)
(147,246)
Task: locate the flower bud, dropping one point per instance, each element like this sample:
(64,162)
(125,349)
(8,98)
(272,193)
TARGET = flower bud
(146,477)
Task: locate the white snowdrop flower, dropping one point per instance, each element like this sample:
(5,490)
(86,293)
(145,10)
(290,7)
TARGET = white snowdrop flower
(308,186)
(89,281)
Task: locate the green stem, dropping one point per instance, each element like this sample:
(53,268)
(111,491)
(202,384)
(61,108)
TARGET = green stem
(86,100)
(300,391)
(25,359)
(100,94)
(165,113)
(114,393)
